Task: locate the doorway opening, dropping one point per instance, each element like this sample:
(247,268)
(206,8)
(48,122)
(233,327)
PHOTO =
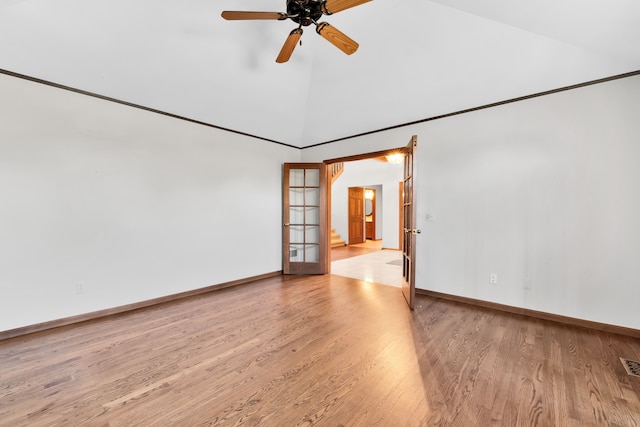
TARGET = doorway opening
(307,207)
(363,208)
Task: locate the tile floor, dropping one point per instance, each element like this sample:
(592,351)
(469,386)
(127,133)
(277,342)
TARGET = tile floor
(382,266)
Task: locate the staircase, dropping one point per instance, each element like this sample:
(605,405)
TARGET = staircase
(336,241)
(336,171)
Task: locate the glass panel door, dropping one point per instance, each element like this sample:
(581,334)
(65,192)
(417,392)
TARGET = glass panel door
(304,231)
(409,220)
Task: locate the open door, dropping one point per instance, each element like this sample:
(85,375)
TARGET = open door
(304,231)
(409,221)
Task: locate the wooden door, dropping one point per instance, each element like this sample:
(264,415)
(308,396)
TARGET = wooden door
(304,231)
(356,215)
(409,220)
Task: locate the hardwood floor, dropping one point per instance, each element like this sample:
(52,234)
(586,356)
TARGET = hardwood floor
(349,251)
(318,350)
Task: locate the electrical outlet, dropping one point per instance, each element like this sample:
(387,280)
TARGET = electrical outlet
(79,288)
(430,217)
(527,282)
(493,278)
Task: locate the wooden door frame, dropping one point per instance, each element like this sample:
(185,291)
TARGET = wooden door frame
(353,158)
(400,213)
(373,212)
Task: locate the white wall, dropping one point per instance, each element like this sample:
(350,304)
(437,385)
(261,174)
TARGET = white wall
(545,190)
(126,204)
(384,177)
(134,205)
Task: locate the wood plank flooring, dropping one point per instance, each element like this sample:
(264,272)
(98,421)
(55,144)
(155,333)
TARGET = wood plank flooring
(349,251)
(317,351)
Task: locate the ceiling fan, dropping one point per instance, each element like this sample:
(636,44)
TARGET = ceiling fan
(305,13)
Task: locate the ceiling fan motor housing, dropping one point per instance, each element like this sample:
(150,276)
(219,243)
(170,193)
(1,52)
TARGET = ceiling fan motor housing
(304,12)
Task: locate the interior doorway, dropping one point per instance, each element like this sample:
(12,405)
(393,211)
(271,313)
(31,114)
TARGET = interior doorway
(362,215)
(368,213)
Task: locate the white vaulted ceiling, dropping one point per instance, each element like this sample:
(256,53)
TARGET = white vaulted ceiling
(417,58)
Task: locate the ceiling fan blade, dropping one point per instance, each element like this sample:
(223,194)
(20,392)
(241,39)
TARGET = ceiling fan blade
(289,45)
(335,6)
(234,15)
(337,38)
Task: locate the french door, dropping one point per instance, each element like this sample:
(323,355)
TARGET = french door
(409,220)
(304,231)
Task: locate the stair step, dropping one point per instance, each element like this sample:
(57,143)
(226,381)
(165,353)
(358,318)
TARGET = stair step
(336,241)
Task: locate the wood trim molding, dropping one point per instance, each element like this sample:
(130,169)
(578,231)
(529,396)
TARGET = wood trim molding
(482,107)
(366,156)
(588,324)
(138,106)
(428,119)
(39,327)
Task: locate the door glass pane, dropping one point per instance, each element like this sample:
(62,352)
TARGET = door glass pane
(296,253)
(312,196)
(312,178)
(312,234)
(312,215)
(304,216)
(311,253)
(296,234)
(296,196)
(296,177)
(296,215)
